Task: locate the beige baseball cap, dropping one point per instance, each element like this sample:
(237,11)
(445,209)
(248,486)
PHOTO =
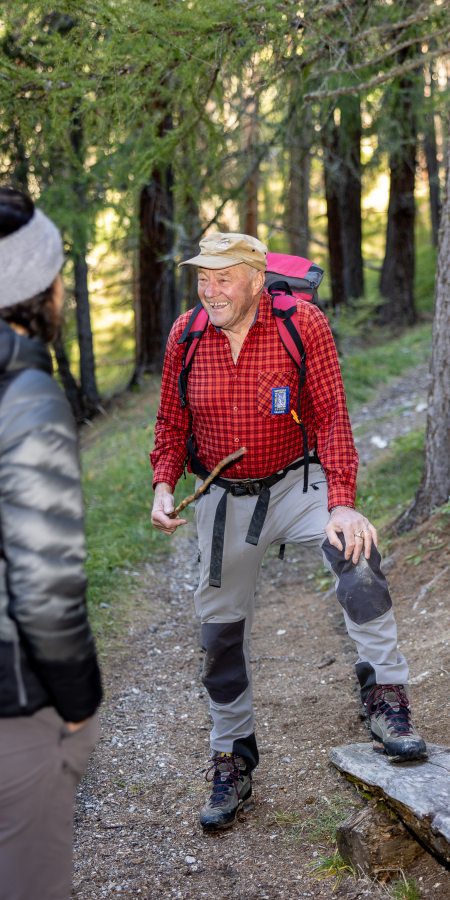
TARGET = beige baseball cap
(217,251)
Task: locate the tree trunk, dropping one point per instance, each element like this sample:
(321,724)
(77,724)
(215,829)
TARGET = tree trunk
(80,268)
(193,230)
(430,149)
(397,275)
(251,187)
(298,207)
(84,329)
(71,389)
(156,308)
(376,842)
(350,131)
(434,490)
(330,143)
(20,162)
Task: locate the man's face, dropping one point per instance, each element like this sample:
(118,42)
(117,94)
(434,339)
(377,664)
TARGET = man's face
(229,295)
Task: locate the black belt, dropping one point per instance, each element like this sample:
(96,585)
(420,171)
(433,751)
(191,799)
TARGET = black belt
(260,488)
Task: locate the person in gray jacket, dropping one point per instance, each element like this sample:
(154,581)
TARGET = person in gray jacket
(50,683)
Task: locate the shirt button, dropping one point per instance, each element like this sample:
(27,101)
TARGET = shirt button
(236,440)
(235,408)
(238,467)
(227,345)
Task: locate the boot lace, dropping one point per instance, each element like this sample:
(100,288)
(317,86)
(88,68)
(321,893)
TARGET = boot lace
(397,716)
(222,786)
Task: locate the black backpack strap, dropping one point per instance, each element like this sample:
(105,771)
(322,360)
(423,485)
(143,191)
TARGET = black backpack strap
(284,308)
(195,328)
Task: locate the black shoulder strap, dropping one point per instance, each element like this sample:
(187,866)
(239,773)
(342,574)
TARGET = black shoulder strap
(284,308)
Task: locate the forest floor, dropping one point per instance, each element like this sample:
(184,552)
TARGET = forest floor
(137,830)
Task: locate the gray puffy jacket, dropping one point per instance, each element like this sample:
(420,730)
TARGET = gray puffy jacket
(47,653)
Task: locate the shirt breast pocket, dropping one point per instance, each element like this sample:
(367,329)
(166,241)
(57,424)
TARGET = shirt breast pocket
(277,393)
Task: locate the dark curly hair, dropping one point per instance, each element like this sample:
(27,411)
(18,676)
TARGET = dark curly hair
(36,315)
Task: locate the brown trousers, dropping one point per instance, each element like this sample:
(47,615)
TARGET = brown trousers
(40,767)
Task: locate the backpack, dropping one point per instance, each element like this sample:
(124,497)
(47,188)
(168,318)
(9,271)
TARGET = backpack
(288,278)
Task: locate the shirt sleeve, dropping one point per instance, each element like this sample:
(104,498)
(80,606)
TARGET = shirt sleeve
(335,444)
(173,424)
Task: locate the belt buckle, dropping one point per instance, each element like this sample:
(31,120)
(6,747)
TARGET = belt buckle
(239,490)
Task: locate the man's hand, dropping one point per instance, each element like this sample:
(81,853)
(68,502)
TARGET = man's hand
(75,726)
(351,523)
(162,506)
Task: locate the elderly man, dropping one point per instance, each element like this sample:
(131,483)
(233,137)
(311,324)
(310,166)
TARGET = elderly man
(236,377)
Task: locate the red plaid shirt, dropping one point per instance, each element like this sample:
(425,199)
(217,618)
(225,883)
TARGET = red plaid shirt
(230,406)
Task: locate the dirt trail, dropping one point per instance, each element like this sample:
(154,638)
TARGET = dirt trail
(137,831)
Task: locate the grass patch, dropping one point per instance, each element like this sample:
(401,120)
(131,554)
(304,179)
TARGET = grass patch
(117,485)
(325,817)
(406,889)
(387,486)
(331,867)
(365,370)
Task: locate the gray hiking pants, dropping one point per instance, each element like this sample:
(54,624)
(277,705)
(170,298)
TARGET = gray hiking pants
(226,613)
(40,767)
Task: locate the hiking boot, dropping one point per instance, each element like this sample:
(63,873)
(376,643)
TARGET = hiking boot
(232,786)
(390,723)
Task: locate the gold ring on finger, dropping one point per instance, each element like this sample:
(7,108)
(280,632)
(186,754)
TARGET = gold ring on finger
(359,533)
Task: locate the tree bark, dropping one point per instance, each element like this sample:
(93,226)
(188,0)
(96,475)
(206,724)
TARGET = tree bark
(20,162)
(350,131)
(251,187)
(397,275)
(156,308)
(430,149)
(376,842)
(84,330)
(79,251)
(193,229)
(71,389)
(298,205)
(434,490)
(330,144)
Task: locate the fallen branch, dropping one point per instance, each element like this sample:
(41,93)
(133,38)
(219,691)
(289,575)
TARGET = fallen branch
(215,472)
(328,662)
(426,587)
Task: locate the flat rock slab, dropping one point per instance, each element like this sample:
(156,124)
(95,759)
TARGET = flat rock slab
(419,792)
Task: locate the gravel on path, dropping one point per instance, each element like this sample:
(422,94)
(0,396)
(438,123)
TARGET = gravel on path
(137,831)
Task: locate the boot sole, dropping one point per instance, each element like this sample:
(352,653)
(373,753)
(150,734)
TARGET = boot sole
(211,826)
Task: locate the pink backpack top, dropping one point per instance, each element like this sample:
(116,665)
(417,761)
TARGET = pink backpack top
(302,275)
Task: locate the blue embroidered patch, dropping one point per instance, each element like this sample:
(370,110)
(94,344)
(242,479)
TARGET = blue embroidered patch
(280,400)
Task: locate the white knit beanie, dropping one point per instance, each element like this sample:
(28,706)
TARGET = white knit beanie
(30,259)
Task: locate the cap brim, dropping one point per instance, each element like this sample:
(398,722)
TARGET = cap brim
(211,262)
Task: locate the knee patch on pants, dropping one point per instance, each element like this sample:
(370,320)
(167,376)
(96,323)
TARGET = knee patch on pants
(362,589)
(224,672)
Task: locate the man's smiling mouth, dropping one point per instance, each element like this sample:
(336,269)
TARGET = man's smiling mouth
(217,305)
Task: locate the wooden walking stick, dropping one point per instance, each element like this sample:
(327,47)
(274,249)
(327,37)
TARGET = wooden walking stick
(215,472)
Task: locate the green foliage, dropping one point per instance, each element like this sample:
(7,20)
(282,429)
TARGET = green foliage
(332,867)
(324,817)
(365,370)
(386,486)
(97,98)
(406,889)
